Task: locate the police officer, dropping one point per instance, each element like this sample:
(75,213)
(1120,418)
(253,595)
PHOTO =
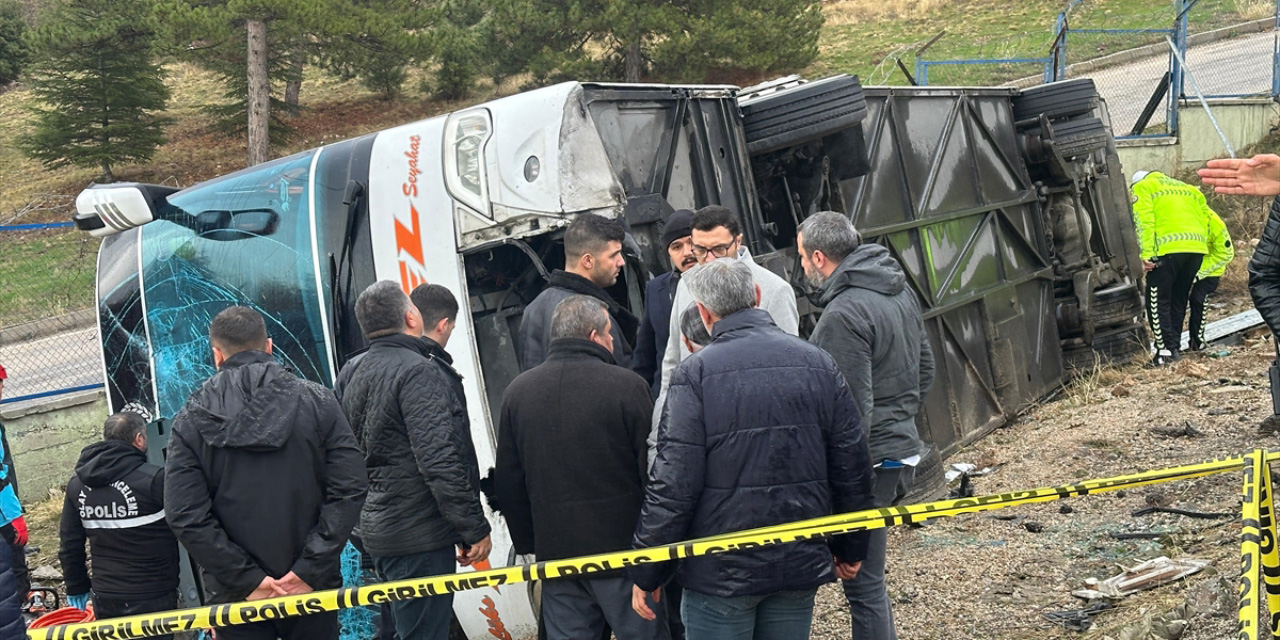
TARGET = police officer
(1215,264)
(1172,221)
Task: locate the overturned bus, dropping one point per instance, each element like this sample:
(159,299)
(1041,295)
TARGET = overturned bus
(1007,209)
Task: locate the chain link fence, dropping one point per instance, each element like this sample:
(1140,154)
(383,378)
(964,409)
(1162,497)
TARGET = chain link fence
(48,326)
(1231,48)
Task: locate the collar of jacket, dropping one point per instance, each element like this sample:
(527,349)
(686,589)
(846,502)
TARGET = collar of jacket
(627,322)
(578,349)
(403,341)
(246,357)
(437,353)
(745,319)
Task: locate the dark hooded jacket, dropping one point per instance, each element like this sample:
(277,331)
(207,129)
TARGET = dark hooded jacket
(759,429)
(407,409)
(116,501)
(262,478)
(12,625)
(871,325)
(535,324)
(1264,271)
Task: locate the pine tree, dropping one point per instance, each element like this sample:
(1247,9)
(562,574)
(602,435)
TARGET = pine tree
(664,40)
(13,49)
(94,73)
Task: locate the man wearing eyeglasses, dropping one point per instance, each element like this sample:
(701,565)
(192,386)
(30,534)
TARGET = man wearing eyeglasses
(717,235)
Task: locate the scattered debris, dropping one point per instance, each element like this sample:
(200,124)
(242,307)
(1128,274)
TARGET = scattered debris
(1219,411)
(1033,527)
(1213,597)
(1182,512)
(1149,574)
(1231,388)
(1078,619)
(1188,429)
(965,469)
(1270,424)
(1221,353)
(1066,508)
(1120,391)
(1195,369)
(1166,626)
(1139,535)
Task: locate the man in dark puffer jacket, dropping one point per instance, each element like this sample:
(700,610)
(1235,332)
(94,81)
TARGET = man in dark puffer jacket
(759,429)
(263,481)
(405,405)
(12,625)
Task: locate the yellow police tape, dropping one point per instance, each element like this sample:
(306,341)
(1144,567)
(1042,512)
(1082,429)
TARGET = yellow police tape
(1250,545)
(154,624)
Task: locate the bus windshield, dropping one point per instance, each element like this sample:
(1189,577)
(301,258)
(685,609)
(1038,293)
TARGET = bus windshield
(244,239)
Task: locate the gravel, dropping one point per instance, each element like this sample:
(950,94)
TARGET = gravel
(975,576)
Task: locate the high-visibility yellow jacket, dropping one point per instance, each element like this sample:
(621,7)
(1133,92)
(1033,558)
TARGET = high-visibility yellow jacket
(1171,216)
(1221,251)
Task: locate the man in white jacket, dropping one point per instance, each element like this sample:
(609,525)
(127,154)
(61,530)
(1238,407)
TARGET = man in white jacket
(717,235)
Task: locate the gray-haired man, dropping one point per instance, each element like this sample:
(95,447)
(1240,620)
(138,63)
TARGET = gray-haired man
(871,324)
(759,429)
(571,469)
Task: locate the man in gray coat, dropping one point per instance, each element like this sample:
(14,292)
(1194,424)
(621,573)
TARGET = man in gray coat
(871,324)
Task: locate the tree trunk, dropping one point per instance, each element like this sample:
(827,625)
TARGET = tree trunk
(633,62)
(107,177)
(259,93)
(293,87)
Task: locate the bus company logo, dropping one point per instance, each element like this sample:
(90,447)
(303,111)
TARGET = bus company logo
(413,266)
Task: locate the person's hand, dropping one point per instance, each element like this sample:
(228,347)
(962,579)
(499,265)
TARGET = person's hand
(20,531)
(1148,266)
(1256,176)
(293,585)
(79,601)
(478,552)
(847,570)
(268,588)
(639,601)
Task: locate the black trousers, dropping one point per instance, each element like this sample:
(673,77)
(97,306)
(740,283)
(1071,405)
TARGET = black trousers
(1200,292)
(115,607)
(18,558)
(1168,292)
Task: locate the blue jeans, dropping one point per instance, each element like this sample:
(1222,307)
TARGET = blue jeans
(421,618)
(786,615)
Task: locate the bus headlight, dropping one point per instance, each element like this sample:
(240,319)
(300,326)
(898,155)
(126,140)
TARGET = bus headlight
(466,134)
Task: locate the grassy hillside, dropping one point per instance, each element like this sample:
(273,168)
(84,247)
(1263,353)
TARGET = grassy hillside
(860,36)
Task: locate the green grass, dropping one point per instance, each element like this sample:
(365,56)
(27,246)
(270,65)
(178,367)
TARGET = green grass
(49,273)
(45,274)
(863,36)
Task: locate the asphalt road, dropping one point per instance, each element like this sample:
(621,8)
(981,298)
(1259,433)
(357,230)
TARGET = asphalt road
(70,359)
(1227,67)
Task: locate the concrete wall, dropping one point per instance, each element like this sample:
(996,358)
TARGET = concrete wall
(1243,120)
(47,439)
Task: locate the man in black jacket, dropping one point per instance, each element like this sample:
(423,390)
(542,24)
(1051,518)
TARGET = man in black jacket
(406,407)
(871,324)
(115,500)
(592,261)
(655,324)
(759,429)
(263,481)
(571,469)
(1256,176)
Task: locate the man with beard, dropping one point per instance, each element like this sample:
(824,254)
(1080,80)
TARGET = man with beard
(655,325)
(871,324)
(592,261)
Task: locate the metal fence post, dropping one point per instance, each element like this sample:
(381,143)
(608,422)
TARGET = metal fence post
(1060,46)
(1176,78)
(1275,57)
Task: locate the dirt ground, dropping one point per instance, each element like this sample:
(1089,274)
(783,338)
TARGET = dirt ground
(984,576)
